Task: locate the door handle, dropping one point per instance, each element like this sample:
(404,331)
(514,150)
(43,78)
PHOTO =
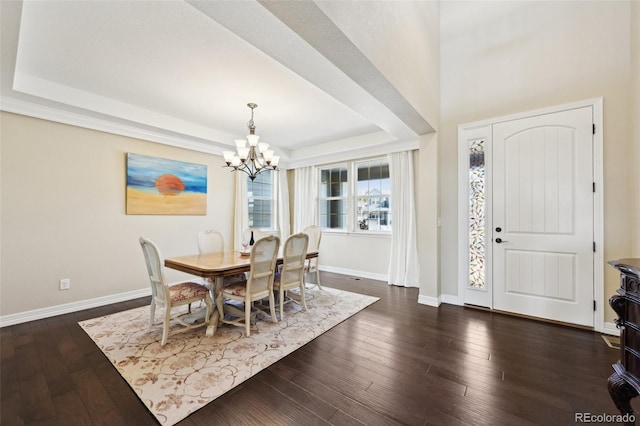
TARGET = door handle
(500,240)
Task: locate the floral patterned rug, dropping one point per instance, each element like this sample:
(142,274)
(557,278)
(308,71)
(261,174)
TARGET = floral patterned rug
(192,369)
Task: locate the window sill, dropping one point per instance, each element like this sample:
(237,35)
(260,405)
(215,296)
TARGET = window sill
(371,234)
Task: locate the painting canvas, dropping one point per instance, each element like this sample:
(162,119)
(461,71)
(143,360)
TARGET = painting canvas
(162,186)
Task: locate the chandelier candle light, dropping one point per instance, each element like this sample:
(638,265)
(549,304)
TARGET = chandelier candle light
(255,158)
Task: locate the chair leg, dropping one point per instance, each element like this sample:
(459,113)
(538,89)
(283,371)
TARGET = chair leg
(153,313)
(165,325)
(304,300)
(247,317)
(318,277)
(272,307)
(281,300)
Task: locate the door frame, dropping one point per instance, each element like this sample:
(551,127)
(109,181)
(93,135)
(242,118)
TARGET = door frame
(484,127)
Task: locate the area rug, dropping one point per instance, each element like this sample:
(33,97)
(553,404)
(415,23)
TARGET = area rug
(192,369)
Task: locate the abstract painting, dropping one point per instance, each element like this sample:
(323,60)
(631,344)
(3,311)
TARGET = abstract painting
(162,186)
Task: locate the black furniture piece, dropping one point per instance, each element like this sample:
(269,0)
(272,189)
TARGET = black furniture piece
(624,383)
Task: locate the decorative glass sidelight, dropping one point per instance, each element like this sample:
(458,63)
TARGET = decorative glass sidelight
(477,196)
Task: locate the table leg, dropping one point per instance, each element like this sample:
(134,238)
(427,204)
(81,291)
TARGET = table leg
(216,314)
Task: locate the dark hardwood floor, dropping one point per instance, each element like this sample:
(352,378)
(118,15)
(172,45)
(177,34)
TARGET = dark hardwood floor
(396,362)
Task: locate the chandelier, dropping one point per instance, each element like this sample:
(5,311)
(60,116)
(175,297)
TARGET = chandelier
(253,159)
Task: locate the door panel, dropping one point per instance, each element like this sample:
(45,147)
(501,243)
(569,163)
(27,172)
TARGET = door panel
(544,275)
(543,202)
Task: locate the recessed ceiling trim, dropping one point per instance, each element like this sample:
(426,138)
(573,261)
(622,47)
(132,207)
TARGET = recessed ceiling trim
(59,115)
(46,89)
(330,157)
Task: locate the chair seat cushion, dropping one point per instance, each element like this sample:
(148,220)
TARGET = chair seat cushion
(188,290)
(234,279)
(236,289)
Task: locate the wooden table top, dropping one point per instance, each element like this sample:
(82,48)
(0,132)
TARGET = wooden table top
(216,264)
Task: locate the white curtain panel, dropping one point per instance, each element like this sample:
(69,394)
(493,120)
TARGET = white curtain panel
(404,269)
(281,184)
(241,217)
(305,190)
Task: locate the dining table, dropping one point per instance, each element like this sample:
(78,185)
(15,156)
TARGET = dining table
(215,267)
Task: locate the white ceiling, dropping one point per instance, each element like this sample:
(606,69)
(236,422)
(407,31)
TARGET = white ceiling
(182,72)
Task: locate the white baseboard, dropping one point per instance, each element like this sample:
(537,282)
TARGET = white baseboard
(429,301)
(361,274)
(610,328)
(36,314)
(451,299)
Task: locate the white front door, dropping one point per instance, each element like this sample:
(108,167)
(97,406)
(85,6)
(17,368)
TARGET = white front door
(542,211)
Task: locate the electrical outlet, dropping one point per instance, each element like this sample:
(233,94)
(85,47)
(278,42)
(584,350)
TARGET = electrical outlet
(65,284)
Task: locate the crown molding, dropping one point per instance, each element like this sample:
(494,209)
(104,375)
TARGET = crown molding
(373,144)
(351,152)
(32,109)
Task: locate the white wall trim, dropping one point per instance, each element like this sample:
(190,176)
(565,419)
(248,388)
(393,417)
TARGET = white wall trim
(450,299)
(429,301)
(328,153)
(372,144)
(354,273)
(66,308)
(610,328)
(81,120)
(598,215)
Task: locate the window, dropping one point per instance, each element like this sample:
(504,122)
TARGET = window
(477,199)
(333,198)
(260,198)
(360,204)
(373,196)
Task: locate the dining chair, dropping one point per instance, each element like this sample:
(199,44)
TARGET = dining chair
(167,297)
(258,285)
(315,234)
(212,241)
(291,275)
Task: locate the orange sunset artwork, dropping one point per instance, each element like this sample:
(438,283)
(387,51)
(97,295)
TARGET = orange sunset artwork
(165,187)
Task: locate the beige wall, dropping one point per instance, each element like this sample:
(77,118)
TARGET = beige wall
(427,212)
(364,255)
(63,214)
(500,58)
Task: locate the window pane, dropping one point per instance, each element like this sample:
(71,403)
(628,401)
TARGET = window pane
(362,213)
(333,182)
(373,178)
(324,176)
(476,214)
(259,197)
(333,214)
(260,214)
(385,186)
(261,186)
(374,213)
(362,187)
(337,181)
